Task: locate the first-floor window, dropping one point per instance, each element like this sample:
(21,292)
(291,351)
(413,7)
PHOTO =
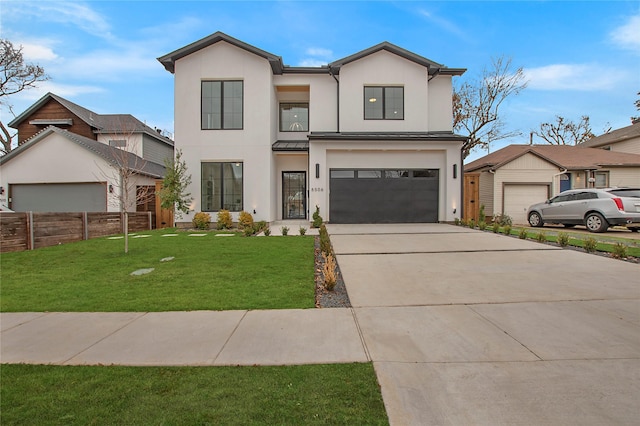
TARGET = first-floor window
(221,186)
(602,179)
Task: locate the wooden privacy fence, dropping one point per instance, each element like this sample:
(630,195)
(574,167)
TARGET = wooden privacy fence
(30,230)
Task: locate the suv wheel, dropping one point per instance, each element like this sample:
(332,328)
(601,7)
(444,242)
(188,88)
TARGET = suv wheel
(596,223)
(535,220)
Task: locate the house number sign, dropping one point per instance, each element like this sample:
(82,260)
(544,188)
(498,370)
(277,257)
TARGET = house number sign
(317,189)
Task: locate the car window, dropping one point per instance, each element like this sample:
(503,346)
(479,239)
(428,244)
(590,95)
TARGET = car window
(626,192)
(561,198)
(586,196)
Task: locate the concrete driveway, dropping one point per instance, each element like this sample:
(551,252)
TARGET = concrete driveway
(469,327)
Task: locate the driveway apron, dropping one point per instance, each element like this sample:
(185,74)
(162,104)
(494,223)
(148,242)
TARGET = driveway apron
(470,327)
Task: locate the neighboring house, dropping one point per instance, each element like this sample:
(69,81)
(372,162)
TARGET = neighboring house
(66,156)
(118,130)
(626,139)
(60,171)
(509,180)
(367,138)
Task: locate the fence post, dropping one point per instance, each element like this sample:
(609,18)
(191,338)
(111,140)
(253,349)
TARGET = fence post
(85,226)
(30,230)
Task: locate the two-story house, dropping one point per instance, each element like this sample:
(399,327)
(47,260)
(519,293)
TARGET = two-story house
(367,138)
(70,158)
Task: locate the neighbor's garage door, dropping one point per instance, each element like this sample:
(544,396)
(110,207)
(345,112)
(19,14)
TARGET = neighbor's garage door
(518,198)
(383,196)
(59,197)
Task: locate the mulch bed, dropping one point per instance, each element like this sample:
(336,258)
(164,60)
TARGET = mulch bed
(336,298)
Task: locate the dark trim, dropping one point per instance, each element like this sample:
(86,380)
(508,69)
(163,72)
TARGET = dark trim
(384,102)
(221,104)
(305,192)
(280,116)
(290,146)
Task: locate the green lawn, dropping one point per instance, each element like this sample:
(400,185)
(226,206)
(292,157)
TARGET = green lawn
(208,273)
(290,395)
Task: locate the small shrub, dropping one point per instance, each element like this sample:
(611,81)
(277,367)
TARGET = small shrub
(284,230)
(503,219)
(495,227)
(248,231)
(302,230)
(590,244)
(541,237)
(224,219)
(245,220)
(506,230)
(463,222)
(325,242)
(329,271)
(522,234)
(267,232)
(201,220)
(456,221)
(317,219)
(472,223)
(482,225)
(563,239)
(481,216)
(259,226)
(619,251)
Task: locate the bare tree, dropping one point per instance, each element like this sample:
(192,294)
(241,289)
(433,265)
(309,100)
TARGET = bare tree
(476,104)
(127,171)
(15,76)
(565,132)
(637,104)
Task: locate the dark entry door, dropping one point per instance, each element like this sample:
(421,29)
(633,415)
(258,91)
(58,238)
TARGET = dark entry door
(384,196)
(294,195)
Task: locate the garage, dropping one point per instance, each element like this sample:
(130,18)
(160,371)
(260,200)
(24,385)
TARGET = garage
(384,195)
(59,197)
(518,197)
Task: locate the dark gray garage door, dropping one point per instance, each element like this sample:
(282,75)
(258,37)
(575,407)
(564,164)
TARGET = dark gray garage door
(383,196)
(59,197)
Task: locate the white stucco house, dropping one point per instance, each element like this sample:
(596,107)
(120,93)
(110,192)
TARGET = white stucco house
(367,138)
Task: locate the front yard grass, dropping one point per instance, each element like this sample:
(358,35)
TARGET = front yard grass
(207,273)
(83,395)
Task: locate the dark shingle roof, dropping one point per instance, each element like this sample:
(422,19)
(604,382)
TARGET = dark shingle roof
(618,135)
(101,123)
(114,156)
(563,156)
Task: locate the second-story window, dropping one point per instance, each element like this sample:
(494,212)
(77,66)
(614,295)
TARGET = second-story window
(222,105)
(383,103)
(294,117)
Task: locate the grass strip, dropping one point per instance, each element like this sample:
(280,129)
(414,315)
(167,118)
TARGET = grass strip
(207,273)
(291,395)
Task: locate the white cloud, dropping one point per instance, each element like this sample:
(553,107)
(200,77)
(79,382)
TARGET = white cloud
(628,35)
(320,52)
(37,52)
(581,77)
(64,90)
(311,62)
(443,23)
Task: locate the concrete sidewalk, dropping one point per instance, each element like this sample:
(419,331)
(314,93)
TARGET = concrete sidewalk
(274,337)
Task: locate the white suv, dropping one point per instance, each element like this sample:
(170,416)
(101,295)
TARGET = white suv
(597,209)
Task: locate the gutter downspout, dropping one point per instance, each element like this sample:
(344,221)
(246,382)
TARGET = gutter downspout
(337,100)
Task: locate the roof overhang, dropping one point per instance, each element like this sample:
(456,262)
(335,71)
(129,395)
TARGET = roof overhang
(290,146)
(401,136)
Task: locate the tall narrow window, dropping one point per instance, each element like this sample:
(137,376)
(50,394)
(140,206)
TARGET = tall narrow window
(222,105)
(383,103)
(294,117)
(221,187)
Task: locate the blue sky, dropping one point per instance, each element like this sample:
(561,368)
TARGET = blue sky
(580,57)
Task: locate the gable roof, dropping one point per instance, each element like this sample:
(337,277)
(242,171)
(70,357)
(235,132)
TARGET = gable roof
(562,156)
(101,123)
(433,67)
(116,158)
(618,135)
(168,60)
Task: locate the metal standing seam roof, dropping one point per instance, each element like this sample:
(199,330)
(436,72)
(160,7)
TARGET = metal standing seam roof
(295,146)
(404,136)
(137,164)
(277,66)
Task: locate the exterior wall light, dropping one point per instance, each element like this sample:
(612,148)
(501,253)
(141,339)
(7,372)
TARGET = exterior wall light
(317,171)
(455,171)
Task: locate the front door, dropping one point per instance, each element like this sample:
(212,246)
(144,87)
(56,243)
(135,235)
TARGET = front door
(294,195)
